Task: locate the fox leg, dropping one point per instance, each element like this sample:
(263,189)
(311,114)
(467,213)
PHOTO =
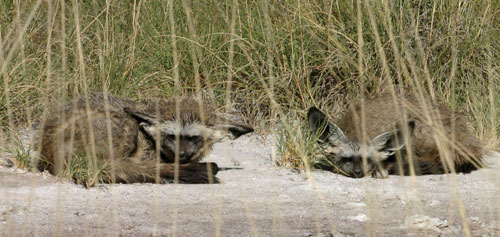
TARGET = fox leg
(195,173)
(146,171)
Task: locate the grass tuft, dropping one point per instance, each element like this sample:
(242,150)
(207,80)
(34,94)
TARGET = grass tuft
(85,171)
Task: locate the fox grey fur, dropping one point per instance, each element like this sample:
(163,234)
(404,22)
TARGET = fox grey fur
(146,137)
(397,135)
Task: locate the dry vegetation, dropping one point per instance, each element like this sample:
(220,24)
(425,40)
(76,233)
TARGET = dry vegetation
(270,60)
(267,60)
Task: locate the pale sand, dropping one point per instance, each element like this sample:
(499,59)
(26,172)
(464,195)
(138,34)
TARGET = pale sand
(259,199)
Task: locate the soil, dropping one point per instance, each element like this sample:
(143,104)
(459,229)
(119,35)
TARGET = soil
(256,199)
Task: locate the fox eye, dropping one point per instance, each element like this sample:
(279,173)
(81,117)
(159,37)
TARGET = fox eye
(171,137)
(194,138)
(345,159)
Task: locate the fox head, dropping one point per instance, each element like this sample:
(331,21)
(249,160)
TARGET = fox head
(186,136)
(348,154)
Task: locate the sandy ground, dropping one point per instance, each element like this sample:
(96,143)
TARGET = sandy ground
(257,200)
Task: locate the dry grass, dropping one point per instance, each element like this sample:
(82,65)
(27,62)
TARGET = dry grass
(268,59)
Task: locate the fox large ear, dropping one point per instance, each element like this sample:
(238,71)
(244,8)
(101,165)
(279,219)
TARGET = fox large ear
(328,131)
(231,129)
(393,140)
(147,123)
(140,117)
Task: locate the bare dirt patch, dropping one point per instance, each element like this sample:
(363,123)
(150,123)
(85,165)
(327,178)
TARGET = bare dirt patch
(256,199)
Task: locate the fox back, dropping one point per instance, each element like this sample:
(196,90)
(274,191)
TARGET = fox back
(372,136)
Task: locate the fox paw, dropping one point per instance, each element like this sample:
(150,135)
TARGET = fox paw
(380,174)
